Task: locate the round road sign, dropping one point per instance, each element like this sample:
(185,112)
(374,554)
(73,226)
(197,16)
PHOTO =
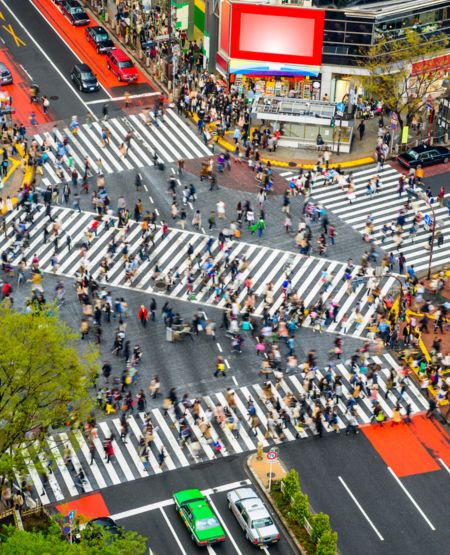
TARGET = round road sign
(271,456)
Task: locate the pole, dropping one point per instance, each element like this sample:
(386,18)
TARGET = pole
(270,475)
(339,137)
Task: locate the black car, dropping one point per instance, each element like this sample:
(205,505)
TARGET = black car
(424,155)
(95,527)
(99,38)
(84,79)
(74,12)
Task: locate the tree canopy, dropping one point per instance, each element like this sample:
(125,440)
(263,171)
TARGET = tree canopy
(390,78)
(52,542)
(44,381)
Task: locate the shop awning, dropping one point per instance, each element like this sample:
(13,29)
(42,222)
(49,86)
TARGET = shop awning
(247,67)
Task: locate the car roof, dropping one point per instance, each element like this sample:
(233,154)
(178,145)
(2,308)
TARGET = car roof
(119,54)
(73,3)
(83,67)
(97,29)
(200,509)
(254,506)
(103,521)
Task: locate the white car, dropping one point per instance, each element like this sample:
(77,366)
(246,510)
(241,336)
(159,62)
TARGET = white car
(253,516)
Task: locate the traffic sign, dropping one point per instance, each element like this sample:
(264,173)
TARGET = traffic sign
(340,107)
(71,515)
(427,219)
(272,456)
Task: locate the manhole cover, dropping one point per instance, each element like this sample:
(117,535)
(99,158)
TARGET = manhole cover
(160,285)
(54,98)
(292,164)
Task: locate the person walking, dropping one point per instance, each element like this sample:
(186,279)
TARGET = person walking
(109,449)
(143,315)
(362,129)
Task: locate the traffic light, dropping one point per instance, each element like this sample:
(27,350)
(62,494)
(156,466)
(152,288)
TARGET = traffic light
(332,122)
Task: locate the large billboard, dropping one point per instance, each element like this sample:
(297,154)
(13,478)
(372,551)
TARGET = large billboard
(276,34)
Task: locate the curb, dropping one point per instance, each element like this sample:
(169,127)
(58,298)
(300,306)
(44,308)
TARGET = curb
(273,506)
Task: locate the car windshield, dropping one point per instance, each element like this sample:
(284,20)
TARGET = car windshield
(207,523)
(262,522)
(127,63)
(76,10)
(88,76)
(413,154)
(102,36)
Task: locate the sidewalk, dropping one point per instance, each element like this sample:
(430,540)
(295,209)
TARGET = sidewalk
(289,158)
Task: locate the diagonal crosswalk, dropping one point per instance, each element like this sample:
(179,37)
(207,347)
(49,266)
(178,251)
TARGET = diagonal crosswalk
(384,207)
(170,254)
(172,139)
(126,465)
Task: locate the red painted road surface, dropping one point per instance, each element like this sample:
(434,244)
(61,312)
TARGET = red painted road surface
(411,448)
(76,40)
(89,506)
(20,93)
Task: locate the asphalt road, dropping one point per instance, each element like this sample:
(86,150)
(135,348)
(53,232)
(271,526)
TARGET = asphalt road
(163,526)
(323,464)
(47,59)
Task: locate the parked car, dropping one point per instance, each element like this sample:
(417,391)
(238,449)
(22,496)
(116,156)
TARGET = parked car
(198,517)
(253,516)
(84,78)
(73,11)
(99,38)
(121,65)
(6,77)
(424,155)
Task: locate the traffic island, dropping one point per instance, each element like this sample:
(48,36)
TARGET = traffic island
(311,533)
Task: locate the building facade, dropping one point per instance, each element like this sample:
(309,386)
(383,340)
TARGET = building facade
(315,49)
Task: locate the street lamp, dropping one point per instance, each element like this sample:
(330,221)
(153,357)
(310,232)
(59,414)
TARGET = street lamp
(426,200)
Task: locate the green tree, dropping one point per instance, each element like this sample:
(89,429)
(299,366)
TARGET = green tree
(327,544)
(300,507)
(52,542)
(291,484)
(388,63)
(44,382)
(320,524)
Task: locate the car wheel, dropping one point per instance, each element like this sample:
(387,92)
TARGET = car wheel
(446,160)
(80,87)
(193,538)
(108,66)
(119,78)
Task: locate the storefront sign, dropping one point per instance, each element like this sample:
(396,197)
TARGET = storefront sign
(287,35)
(441,63)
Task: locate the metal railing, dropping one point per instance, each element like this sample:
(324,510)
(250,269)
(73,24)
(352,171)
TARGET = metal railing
(294,106)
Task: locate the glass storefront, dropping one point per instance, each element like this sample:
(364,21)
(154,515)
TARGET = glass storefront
(299,86)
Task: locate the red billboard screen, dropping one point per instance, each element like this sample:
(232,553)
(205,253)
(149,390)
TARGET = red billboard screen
(277,34)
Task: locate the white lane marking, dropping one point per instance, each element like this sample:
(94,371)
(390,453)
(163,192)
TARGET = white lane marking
(357,503)
(411,498)
(224,526)
(46,56)
(227,364)
(444,465)
(235,380)
(168,502)
(174,534)
(118,98)
(29,76)
(219,347)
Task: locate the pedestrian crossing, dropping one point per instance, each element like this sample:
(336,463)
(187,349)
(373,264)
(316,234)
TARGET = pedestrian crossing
(126,464)
(172,139)
(384,207)
(311,278)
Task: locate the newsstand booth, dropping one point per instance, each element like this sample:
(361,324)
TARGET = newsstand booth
(275,49)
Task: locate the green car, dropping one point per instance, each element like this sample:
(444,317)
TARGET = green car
(199,517)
